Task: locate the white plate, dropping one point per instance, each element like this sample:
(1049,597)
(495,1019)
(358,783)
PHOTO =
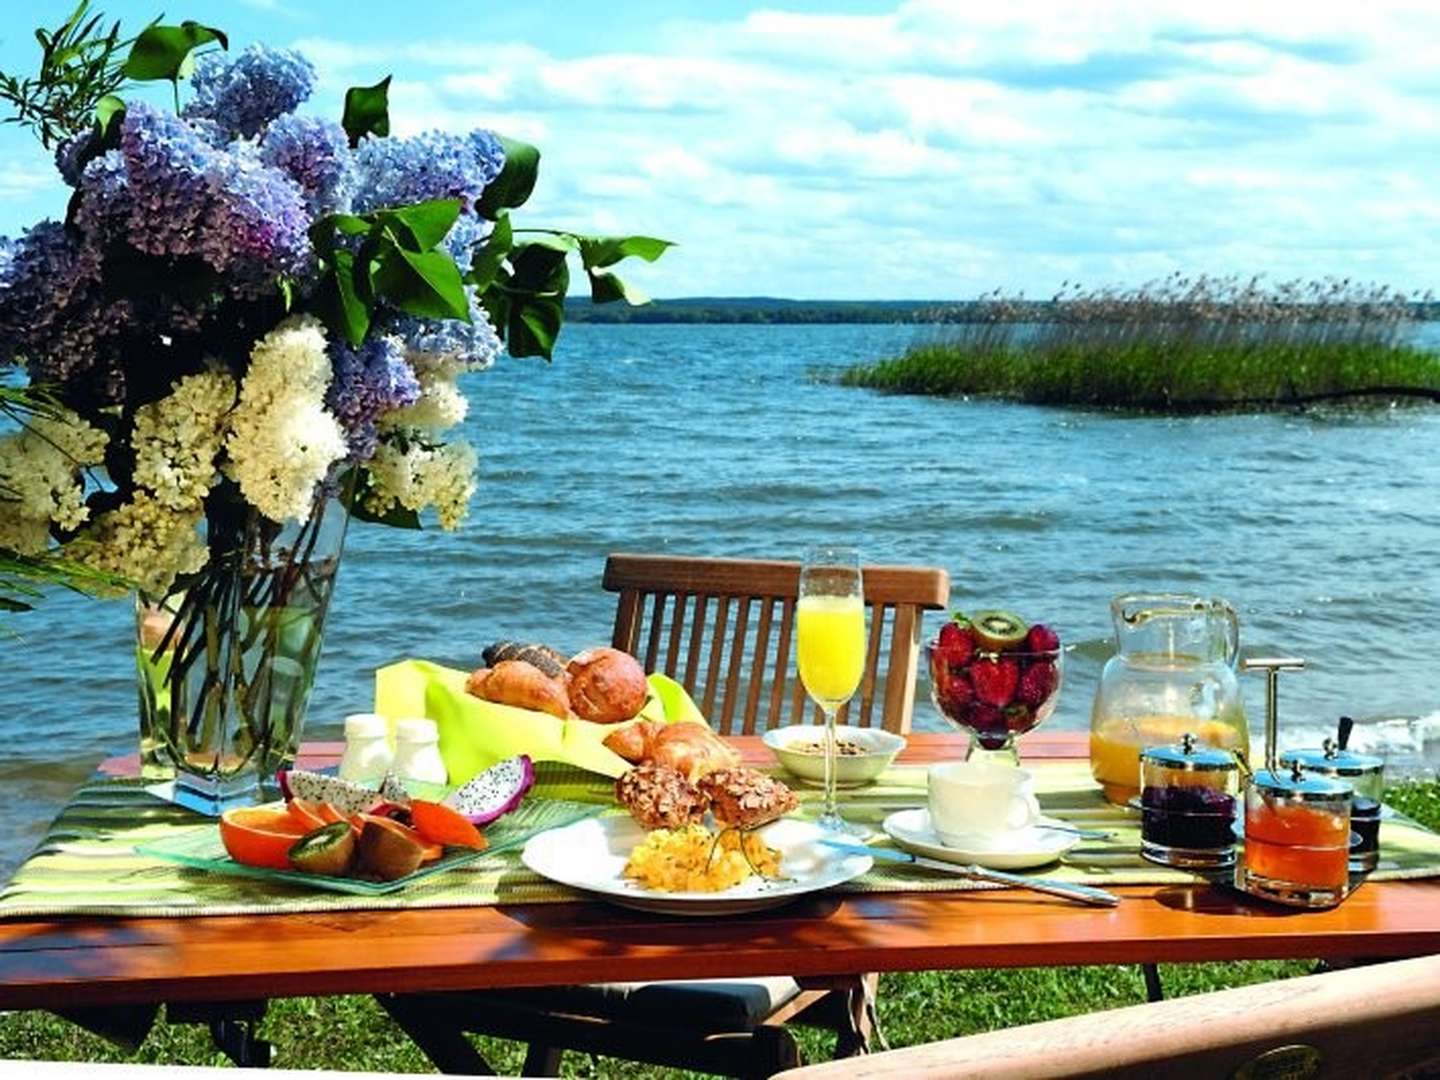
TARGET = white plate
(591,854)
(1031,847)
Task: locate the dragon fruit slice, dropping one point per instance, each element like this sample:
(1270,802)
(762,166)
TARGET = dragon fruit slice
(345,795)
(392,790)
(494,792)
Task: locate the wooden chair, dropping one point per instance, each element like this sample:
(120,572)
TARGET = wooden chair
(1378,1021)
(724,629)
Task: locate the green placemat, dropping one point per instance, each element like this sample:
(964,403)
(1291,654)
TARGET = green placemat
(87,863)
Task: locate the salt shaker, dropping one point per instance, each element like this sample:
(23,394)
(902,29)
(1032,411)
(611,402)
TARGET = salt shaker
(367,754)
(417,751)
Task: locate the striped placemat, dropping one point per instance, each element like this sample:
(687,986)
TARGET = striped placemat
(87,863)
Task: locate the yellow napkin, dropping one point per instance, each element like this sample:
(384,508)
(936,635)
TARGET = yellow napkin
(475,734)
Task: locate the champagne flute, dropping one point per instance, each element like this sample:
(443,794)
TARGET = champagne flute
(830,651)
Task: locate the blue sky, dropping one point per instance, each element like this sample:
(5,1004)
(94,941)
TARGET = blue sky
(923,149)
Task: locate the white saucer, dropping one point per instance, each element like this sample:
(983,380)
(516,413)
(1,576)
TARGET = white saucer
(1030,847)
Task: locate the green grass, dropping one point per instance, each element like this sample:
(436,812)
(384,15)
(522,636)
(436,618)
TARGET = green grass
(1155,374)
(353,1033)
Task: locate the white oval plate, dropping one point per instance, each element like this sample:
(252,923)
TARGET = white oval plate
(591,855)
(1032,847)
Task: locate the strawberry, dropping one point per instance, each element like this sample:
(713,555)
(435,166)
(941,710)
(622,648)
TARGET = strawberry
(988,723)
(1041,639)
(1019,718)
(957,642)
(1037,683)
(955,694)
(995,680)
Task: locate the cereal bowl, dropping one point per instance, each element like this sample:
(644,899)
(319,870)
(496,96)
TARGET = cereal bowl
(864,752)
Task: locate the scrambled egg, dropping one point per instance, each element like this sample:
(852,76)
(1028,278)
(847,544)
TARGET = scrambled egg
(693,859)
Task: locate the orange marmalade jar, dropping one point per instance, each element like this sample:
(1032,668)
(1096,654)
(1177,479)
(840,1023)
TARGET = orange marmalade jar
(1297,839)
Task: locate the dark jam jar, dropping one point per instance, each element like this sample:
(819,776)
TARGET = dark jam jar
(1188,804)
(1365,774)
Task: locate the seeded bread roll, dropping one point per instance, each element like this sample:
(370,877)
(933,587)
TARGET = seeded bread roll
(744,798)
(659,797)
(548,660)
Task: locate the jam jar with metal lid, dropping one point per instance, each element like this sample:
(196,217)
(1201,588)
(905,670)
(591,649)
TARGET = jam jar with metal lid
(1297,838)
(1365,774)
(1188,797)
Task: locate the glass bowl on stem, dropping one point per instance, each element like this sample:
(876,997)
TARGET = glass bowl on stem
(995,696)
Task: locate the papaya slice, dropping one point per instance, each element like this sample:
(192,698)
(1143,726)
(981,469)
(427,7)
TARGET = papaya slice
(439,824)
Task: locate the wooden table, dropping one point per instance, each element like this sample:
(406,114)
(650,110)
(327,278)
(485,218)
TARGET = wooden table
(91,961)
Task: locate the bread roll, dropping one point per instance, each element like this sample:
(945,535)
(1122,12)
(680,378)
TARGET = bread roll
(606,685)
(522,684)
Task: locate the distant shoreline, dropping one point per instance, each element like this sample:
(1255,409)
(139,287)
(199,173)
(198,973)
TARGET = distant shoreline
(766,310)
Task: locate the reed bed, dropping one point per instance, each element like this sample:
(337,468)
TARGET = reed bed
(1180,344)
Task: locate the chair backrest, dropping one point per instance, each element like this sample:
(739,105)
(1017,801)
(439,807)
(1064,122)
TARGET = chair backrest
(1382,1020)
(723,628)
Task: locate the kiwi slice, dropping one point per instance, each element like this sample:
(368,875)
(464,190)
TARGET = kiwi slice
(997,630)
(329,850)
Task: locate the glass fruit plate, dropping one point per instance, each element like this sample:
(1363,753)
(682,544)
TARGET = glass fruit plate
(201,849)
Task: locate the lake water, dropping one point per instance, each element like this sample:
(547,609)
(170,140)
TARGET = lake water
(1323,530)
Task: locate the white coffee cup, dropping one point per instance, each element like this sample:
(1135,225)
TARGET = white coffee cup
(980,805)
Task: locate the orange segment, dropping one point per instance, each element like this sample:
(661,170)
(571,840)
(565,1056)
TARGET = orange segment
(260,836)
(439,824)
(330,814)
(306,814)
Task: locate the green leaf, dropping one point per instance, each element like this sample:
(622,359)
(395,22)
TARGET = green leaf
(424,283)
(606,288)
(367,111)
(599,251)
(539,268)
(534,325)
(485,263)
(348,309)
(7,604)
(359,487)
(424,224)
(109,112)
(165,52)
(515,182)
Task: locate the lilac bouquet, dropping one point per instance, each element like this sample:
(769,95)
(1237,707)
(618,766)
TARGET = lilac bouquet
(248,316)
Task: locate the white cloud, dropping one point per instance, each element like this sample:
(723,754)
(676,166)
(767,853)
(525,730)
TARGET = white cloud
(962,145)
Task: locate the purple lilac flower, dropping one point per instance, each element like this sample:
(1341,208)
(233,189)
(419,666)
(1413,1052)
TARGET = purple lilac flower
(474,344)
(67,156)
(315,154)
(245,92)
(185,197)
(53,313)
(369,382)
(435,165)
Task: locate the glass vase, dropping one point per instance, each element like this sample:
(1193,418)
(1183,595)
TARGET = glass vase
(227,659)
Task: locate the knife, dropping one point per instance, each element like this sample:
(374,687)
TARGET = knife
(1083,894)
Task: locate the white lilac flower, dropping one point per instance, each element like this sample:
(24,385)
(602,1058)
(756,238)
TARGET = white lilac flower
(41,482)
(245,92)
(419,477)
(144,541)
(440,403)
(282,441)
(177,438)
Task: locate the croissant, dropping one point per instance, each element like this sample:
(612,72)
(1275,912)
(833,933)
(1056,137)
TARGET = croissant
(688,747)
(522,684)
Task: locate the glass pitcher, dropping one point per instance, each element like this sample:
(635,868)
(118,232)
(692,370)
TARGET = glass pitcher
(1173,673)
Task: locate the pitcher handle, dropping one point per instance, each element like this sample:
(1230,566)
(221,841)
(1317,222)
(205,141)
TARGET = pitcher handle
(1232,632)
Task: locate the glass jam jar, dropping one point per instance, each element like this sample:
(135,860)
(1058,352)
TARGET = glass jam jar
(1173,672)
(1297,839)
(1188,798)
(1365,774)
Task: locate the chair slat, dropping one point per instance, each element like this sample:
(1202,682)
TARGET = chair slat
(872,656)
(627,610)
(677,626)
(900,671)
(717,648)
(657,619)
(732,675)
(757,669)
(782,662)
(697,638)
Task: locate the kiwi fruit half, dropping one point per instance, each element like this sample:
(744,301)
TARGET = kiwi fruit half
(997,630)
(329,850)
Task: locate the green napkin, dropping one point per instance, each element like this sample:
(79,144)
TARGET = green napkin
(475,734)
